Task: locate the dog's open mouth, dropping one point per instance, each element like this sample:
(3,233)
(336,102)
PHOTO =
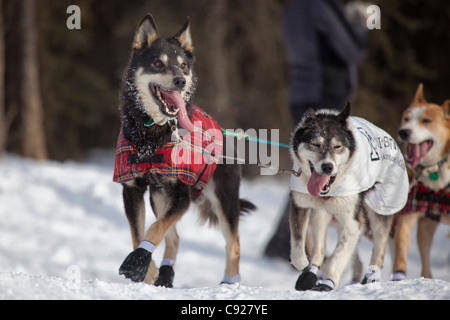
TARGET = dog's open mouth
(416,152)
(172,105)
(319,184)
(167,100)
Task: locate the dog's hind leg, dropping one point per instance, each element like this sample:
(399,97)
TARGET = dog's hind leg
(380,227)
(224,206)
(230,232)
(402,242)
(227,210)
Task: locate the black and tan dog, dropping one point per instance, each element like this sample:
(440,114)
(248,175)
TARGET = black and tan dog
(156,95)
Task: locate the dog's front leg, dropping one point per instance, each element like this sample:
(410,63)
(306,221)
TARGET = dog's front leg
(317,229)
(133,199)
(316,245)
(349,228)
(298,222)
(425,233)
(136,264)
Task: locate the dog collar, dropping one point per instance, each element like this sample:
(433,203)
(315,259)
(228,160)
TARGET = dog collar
(432,171)
(192,162)
(149,123)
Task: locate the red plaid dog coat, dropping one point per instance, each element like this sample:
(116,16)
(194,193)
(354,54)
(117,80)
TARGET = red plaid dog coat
(192,160)
(433,203)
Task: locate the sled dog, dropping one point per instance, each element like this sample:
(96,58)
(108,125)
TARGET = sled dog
(425,134)
(160,126)
(352,171)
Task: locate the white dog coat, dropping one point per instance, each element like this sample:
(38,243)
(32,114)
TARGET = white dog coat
(377,164)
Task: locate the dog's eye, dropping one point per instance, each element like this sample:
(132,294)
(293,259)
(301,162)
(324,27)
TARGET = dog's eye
(426,120)
(183,66)
(406,119)
(158,64)
(315,145)
(338,147)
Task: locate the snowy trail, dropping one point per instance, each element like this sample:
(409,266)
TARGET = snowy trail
(63,235)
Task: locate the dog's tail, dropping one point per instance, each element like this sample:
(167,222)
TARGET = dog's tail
(246,206)
(207,214)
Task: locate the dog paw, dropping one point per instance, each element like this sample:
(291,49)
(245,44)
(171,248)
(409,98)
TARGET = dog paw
(324,285)
(372,275)
(231,279)
(306,280)
(165,277)
(398,275)
(135,265)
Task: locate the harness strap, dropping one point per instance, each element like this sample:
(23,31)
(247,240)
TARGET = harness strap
(433,197)
(247,137)
(259,164)
(156,158)
(191,159)
(432,172)
(433,216)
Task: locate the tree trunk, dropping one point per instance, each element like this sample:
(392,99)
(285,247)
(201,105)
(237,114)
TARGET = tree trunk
(3,130)
(220,91)
(33,139)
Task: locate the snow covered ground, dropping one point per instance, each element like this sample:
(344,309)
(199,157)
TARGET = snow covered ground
(63,235)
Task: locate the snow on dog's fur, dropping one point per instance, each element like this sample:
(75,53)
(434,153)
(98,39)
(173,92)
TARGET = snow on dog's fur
(156,95)
(352,171)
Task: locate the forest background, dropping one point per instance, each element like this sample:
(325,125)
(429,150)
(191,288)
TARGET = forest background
(59,87)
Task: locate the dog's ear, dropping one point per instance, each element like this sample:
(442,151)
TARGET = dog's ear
(146,33)
(418,98)
(184,36)
(345,113)
(309,114)
(446,108)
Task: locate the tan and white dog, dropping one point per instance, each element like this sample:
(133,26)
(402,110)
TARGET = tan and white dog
(425,132)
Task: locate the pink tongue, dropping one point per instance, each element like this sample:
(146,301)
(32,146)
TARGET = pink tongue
(416,152)
(175,98)
(316,183)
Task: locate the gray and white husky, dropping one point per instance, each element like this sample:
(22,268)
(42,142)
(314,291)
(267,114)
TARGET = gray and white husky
(352,171)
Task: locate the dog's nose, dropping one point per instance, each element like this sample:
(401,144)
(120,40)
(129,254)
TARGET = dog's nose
(327,168)
(179,82)
(404,134)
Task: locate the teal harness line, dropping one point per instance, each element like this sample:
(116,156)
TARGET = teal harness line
(154,181)
(237,135)
(249,138)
